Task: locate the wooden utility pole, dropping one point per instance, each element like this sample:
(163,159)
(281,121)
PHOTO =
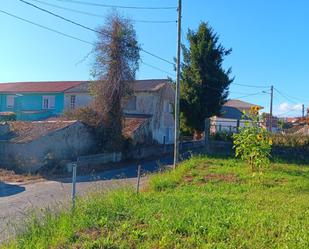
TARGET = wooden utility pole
(271,108)
(177,96)
(303,111)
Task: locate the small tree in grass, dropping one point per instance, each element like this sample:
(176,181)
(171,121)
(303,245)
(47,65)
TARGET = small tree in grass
(253,144)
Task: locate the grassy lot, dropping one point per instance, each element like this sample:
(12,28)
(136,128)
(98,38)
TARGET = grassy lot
(205,203)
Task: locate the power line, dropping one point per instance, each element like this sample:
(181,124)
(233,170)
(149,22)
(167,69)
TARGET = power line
(285,98)
(245,94)
(69,36)
(61,17)
(157,68)
(119,6)
(246,85)
(101,16)
(289,98)
(158,57)
(252,94)
(47,28)
(88,28)
(289,111)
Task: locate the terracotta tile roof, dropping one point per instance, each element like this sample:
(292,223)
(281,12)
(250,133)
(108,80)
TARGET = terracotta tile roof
(240,104)
(72,86)
(49,86)
(23,132)
(150,85)
(132,124)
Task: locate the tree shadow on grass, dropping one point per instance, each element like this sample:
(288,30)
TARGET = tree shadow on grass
(10,189)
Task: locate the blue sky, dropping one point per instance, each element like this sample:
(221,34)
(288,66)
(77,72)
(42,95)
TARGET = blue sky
(269,41)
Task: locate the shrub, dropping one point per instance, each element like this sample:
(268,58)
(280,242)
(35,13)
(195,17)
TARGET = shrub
(85,114)
(290,140)
(7,116)
(222,136)
(253,144)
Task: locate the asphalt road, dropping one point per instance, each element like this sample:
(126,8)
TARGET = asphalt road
(17,201)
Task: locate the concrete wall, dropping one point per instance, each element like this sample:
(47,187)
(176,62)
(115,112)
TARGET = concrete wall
(153,103)
(143,152)
(81,99)
(57,146)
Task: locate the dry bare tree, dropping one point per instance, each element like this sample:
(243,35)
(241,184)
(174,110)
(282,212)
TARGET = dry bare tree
(116,62)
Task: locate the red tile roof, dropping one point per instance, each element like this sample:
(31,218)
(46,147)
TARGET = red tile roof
(149,85)
(240,104)
(132,124)
(63,86)
(49,86)
(28,131)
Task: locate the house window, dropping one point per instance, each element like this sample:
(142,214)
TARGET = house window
(131,106)
(10,101)
(168,108)
(72,101)
(48,102)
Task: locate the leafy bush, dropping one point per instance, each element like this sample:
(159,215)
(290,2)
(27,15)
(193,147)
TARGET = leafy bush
(7,116)
(222,136)
(290,140)
(253,144)
(85,114)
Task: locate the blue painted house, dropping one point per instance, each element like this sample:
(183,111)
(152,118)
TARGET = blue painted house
(35,100)
(41,100)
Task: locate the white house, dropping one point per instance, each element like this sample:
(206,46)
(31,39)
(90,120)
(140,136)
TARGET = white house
(232,116)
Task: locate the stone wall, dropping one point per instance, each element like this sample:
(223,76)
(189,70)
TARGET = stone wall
(54,148)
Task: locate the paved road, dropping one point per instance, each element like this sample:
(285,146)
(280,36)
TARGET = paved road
(17,200)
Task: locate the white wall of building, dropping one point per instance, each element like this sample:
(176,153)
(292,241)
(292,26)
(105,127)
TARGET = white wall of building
(158,104)
(81,99)
(225,124)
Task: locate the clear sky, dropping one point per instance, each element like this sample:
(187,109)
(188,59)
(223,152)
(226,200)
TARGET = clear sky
(269,41)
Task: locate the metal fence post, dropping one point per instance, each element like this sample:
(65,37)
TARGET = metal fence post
(164,145)
(138,178)
(74,167)
(207,134)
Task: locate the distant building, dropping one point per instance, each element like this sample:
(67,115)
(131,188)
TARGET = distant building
(33,101)
(232,116)
(274,122)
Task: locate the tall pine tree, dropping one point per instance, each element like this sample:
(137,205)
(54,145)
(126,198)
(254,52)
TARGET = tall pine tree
(204,82)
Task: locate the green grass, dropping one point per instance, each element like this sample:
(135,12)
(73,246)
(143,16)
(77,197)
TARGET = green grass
(205,203)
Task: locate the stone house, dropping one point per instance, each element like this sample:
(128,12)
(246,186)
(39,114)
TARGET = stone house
(33,101)
(28,146)
(153,99)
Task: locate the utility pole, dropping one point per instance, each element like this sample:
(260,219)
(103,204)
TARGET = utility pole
(271,108)
(177,96)
(303,111)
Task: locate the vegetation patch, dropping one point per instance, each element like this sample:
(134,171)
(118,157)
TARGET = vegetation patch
(12,176)
(220,177)
(204,203)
